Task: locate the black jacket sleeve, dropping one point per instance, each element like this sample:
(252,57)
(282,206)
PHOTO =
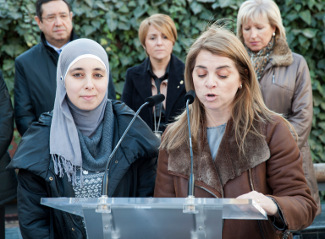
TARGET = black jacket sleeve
(34,218)
(24,114)
(146,177)
(111,88)
(128,91)
(6,118)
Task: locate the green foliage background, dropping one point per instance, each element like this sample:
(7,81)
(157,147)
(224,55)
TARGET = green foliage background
(114,24)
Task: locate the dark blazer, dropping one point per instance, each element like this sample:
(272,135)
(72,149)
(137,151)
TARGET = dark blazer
(137,88)
(35,83)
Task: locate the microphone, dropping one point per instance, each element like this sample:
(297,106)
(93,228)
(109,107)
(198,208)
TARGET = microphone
(155,100)
(189,97)
(150,101)
(156,125)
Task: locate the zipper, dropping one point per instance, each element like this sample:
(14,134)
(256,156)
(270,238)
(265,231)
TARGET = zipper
(273,80)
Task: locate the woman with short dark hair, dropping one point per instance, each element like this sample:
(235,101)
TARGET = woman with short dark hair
(162,72)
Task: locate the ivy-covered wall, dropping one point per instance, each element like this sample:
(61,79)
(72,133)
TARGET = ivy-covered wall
(114,24)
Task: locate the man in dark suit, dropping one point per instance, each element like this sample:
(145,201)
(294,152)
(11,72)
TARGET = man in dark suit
(35,76)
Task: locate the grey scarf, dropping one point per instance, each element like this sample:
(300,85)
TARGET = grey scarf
(96,149)
(65,147)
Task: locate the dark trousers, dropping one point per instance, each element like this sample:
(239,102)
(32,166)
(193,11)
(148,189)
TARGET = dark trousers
(2,222)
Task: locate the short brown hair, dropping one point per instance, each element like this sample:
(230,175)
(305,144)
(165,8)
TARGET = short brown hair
(162,23)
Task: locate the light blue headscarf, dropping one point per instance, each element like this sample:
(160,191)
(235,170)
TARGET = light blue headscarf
(64,140)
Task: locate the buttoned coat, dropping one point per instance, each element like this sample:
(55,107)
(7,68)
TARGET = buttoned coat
(272,166)
(137,88)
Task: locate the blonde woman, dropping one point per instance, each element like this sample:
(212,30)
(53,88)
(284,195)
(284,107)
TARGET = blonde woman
(283,76)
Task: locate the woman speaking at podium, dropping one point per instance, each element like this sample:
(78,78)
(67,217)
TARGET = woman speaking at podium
(241,149)
(65,153)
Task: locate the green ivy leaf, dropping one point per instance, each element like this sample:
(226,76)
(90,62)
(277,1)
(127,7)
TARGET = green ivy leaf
(88,30)
(321,64)
(196,8)
(305,16)
(101,6)
(139,11)
(309,32)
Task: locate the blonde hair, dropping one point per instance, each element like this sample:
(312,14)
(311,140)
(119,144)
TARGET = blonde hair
(162,23)
(253,9)
(248,105)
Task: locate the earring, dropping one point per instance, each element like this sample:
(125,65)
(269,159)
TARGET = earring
(273,34)
(241,86)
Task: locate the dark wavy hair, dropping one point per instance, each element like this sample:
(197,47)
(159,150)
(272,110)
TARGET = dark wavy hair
(39,10)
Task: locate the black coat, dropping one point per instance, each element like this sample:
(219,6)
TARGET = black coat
(8,185)
(137,88)
(35,83)
(132,174)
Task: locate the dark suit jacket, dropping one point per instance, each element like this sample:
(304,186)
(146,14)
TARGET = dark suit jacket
(137,88)
(35,83)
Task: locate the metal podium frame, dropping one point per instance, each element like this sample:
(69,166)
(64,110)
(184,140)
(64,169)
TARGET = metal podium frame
(146,218)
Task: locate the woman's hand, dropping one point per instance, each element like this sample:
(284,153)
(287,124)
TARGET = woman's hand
(265,202)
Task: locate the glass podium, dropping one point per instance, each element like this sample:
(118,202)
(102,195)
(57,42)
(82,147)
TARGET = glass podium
(147,218)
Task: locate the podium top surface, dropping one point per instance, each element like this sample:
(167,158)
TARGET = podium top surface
(231,208)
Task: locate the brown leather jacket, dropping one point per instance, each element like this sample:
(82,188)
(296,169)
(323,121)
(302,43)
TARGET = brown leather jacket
(272,166)
(286,89)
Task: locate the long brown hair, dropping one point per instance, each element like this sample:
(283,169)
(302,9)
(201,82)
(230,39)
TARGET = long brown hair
(248,105)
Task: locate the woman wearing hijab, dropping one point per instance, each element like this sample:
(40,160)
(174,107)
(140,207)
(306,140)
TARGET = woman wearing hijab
(283,76)
(64,154)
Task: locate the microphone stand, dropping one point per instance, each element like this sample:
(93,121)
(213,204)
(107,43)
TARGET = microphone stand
(189,206)
(103,206)
(191,179)
(105,177)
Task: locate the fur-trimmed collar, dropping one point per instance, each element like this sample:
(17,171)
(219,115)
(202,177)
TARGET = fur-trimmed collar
(281,55)
(229,162)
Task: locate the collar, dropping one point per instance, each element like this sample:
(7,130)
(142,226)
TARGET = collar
(149,70)
(73,36)
(229,162)
(58,50)
(281,55)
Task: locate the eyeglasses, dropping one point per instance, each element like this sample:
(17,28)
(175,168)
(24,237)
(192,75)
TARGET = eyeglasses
(52,18)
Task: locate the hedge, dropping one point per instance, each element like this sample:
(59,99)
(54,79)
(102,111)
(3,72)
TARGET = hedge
(114,24)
